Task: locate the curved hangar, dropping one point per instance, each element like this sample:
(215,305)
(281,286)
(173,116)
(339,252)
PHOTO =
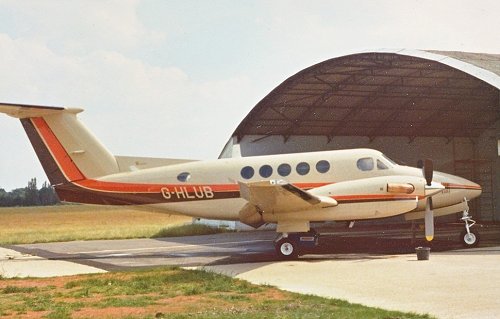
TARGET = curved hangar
(408,104)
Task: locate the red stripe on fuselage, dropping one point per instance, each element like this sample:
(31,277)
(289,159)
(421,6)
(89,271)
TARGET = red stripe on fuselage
(63,160)
(460,186)
(156,188)
(366,197)
(74,175)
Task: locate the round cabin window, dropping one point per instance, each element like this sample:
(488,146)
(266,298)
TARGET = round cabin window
(284,169)
(247,172)
(302,168)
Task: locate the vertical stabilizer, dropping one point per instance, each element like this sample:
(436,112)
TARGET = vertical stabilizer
(67,150)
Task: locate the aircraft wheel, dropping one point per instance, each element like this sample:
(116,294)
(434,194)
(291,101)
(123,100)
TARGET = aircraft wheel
(469,240)
(287,249)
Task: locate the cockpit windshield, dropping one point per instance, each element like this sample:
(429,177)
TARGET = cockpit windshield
(389,160)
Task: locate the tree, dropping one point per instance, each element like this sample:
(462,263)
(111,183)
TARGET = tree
(3,195)
(31,197)
(47,195)
(17,197)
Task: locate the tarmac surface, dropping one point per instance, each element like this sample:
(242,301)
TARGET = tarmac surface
(16,264)
(458,284)
(375,266)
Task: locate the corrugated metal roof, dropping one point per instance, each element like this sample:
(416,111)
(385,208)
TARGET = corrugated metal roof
(384,93)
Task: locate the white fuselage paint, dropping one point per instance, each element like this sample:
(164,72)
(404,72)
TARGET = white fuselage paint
(343,168)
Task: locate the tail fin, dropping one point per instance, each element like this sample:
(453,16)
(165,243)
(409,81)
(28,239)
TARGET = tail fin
(67,150)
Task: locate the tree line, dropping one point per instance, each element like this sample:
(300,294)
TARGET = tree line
(29,195)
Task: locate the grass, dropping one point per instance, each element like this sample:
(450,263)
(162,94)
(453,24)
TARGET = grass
(168,293)
(25,225)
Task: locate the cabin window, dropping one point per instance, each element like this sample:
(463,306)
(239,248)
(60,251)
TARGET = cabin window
(322,166)
(183,177)
(302,168)
(284,169)
(265,171)
(381,165)
(365,164)
(247,172)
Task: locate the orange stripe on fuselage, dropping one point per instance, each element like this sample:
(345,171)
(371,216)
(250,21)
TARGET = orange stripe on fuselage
(461,186)
(150,188)
(63,160)
(373,196)
(156,188)
(73,174)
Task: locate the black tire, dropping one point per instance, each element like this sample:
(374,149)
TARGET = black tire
(287,249)
(471,240)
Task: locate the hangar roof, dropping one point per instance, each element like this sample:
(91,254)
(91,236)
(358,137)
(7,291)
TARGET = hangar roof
(384,93)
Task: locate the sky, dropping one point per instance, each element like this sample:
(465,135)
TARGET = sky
(174,78)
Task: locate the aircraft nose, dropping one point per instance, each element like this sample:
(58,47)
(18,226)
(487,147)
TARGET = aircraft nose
(470,189)
(466,187)
(473,190)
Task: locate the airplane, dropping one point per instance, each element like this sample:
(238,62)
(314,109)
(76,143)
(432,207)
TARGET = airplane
(291,190)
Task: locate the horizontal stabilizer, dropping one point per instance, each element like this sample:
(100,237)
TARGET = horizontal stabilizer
(22,111)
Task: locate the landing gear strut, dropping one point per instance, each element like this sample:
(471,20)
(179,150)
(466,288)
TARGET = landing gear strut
(469,237)
(291,245)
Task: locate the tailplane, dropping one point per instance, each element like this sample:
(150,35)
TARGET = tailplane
(67,150)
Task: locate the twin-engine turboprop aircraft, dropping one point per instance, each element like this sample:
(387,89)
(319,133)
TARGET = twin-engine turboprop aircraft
(291,190)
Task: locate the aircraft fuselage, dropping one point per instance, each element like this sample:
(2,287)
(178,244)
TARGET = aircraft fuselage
(209,189)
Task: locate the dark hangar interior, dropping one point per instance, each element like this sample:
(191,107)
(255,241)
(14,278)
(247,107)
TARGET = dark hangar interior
(409,104)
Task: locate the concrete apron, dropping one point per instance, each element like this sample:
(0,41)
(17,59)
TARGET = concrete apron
(15,264)
(456,284)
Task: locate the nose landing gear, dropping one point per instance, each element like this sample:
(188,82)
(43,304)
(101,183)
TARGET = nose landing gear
(469,237)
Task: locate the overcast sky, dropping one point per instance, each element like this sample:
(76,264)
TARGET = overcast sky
(174,78)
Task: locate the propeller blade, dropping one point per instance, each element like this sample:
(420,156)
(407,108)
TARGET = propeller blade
(428,171)
(429,220)
(420,164)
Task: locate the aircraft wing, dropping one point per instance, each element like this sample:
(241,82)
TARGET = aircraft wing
(281,197)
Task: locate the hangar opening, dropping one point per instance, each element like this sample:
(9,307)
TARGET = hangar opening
(408,104)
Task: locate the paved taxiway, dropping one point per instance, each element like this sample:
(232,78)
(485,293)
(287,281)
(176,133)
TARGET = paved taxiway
(181,251)
(16,264)
(373,267)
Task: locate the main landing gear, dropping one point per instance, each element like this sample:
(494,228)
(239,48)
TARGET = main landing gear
(291,245)
(469,237)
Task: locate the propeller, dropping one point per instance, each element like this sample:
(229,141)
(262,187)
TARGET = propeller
(429,220)
(428,172)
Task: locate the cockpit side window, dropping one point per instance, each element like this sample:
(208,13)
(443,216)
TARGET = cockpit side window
(381,165)
(365,164)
